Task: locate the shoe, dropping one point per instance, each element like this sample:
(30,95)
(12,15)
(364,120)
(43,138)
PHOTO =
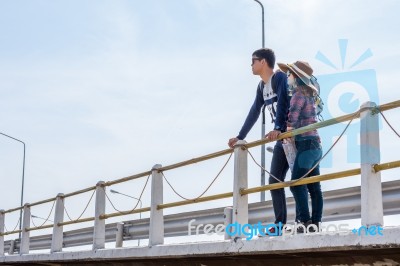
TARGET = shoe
(311,229)
(261,234)
(270,232)
(288,230)
(300,229)
(284,230)
(274,231)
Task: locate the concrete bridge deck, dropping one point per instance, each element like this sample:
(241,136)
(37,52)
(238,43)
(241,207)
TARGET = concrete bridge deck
(311,249)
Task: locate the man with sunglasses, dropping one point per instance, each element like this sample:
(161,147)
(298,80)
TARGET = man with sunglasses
(271,92)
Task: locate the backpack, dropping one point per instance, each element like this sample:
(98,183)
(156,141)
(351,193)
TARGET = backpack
(271,110)
(318,101)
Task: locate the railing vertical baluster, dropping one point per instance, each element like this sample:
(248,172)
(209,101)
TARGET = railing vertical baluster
(2,220)
(99,234)
(119,237)
(57,237)
(156,234)
(26,222)
(371,187)
(240,203)
(227,220)
(12,247)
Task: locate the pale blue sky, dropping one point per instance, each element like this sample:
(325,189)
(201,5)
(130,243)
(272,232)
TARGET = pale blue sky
(105,89)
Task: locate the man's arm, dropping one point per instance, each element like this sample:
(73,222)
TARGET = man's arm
(253,115)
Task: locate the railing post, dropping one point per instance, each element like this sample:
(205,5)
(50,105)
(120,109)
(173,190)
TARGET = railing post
(240,203)
(2,218)
(57,238)
(156,234)
(227,220)
(371,187)
(26,222)
(12,247)
(99,234)
(119,235)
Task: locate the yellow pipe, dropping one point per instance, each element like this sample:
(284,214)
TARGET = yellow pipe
(386,166)
(77,221)
(79,192)
(383,107)
(186,202)
(303,181)
(42,202)
(308,180)
(115,214)
(39,227)
(196,160)
(13,210)
(128,178)
(10,233)
(388,106)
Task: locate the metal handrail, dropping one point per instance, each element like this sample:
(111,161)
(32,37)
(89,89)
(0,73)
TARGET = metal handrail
(313,179)
(308,180)
(122,213)
(89,219)
(176,224)
(79,192)
(326,123)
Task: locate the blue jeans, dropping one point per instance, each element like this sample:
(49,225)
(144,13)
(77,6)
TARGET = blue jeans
(309,152)
(279,168)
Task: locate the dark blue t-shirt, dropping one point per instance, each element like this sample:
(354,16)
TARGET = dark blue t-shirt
(278,105)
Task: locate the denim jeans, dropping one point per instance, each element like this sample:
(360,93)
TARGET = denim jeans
(309,152)
(279,168)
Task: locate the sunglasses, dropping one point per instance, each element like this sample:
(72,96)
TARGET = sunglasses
(255,58)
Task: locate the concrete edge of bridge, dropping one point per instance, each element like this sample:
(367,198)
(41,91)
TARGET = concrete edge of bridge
(294,244)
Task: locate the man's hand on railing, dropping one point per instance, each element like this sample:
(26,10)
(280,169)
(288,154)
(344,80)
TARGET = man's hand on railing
(232,142)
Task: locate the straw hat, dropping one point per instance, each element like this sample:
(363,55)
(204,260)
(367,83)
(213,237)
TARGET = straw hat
(301,69)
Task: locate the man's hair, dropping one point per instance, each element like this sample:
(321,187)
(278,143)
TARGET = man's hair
(267,54)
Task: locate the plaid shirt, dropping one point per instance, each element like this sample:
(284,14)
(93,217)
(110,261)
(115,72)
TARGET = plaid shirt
(302,112)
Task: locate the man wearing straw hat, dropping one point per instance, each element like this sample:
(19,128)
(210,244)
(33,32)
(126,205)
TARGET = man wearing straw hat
(302,112)
(271,92)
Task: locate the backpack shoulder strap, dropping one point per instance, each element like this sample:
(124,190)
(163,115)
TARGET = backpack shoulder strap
(273,80)
(261,86)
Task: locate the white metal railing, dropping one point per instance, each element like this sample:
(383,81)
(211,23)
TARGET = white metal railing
(371,195)
(342,204)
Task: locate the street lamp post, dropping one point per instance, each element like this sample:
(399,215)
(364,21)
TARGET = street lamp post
(22,185)
(262,25)
(129,196)
(263,111)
